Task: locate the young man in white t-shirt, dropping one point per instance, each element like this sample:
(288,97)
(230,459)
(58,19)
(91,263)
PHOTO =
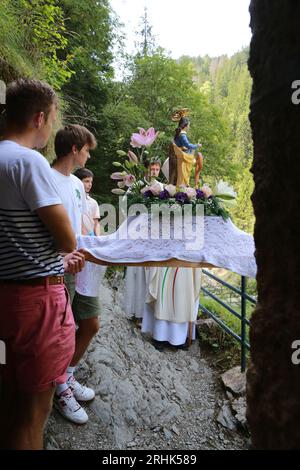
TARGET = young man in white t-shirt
(72,146)
(36,322)
(91,224)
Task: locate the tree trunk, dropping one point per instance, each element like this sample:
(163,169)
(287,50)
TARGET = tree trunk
(273,381)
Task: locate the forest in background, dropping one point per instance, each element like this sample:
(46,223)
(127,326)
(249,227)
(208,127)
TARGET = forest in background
(74,46)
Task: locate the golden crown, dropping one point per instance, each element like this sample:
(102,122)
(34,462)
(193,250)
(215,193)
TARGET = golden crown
(180,113)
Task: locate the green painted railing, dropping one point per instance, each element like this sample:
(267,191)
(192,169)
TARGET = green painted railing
(244,323)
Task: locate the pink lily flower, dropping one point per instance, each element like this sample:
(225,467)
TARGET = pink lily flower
(129,180)
(144,138)
(132,157)
(117,175)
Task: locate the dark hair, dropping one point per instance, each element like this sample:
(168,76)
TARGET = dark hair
(184,122)
(25,98)
(70,135)
(82,173)
(155,161)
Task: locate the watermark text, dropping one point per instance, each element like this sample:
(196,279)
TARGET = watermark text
(2,353)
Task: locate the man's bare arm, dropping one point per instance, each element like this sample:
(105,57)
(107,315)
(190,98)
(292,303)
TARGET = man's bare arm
(97,229)
(58,223)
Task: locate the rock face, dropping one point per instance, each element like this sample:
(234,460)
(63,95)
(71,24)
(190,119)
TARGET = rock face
(273,381)
(145,399)
(233,414)
(226,418)
(234,381)
(239,407)
(207,326)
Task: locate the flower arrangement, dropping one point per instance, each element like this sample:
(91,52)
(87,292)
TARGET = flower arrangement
(134,170)
(133,183)
(215,203)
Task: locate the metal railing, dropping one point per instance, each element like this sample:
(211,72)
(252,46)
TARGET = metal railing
(244,298)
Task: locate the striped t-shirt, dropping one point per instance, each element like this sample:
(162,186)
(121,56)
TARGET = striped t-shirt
(26,184)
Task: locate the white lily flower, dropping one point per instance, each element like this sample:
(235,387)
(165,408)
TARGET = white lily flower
(118,192)
(224,191)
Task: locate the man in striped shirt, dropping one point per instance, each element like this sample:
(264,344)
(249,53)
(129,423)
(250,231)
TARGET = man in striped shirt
(36,321)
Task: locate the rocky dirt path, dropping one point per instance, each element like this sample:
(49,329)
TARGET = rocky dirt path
(145,398)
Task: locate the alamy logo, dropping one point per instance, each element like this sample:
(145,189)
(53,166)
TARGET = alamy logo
(296,94)
(296,354)
(2,92)
(2,353)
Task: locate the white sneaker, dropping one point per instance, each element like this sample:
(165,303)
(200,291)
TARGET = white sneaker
(80,392)
(68,407)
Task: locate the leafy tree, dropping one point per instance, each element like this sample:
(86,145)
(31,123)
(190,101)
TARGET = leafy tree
(43,21)
(33,33)
(226,83)
(147,44)
(243,212)
(91,39)
(92,34)
(159,85)
(15,59)
(118,120)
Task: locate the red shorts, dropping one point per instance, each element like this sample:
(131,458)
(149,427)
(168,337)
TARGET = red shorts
(37,327)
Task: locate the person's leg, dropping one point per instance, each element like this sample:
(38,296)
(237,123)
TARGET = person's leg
(87,329)
(68,393)
(85,310)
(198,169)
(31,412)
(8,397)
(70,286)
(39,333)
(31,417)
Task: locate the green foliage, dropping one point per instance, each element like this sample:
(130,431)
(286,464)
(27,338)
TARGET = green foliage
(210,206)
(32,33)
(229,297)
(46,37)
(231,321)
(146,44)
(89,94)
(157,85)
(90,42)
(15,59)
(226,83)
(118,121)
(225,348)
(243,212)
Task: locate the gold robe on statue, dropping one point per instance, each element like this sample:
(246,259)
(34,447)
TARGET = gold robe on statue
(185,162)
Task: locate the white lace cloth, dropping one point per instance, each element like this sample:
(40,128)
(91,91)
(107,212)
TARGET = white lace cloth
(88,281)
(214,241)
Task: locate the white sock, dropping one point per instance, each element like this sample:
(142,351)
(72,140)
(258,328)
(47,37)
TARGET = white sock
(60,388)
(70,372)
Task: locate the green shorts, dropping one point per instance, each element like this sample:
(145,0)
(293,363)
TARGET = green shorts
(83,306)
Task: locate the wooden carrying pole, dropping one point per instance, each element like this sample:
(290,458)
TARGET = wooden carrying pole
(170,263)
